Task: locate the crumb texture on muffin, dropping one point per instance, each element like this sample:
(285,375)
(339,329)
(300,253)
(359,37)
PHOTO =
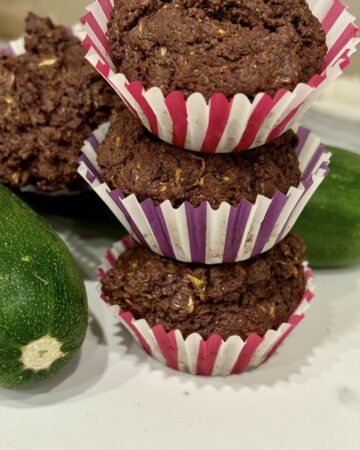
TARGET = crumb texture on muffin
(50,101)
(134,161)
(208,46)
(231,299)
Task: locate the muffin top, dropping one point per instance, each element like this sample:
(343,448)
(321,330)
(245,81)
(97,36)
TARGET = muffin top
(208,46)
(136,162)
(50,101)
(252,296)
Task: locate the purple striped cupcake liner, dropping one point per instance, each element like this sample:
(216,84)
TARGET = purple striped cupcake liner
(222,125)
(16,47)
(206,235)
(211,357)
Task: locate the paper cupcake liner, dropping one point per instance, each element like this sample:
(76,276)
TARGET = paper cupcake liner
(16,47)
(203,234)
(214,356)
(221,125)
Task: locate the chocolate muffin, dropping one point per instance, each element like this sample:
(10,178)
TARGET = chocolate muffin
(208,46)
(136,162)
(232,299)
(50,101)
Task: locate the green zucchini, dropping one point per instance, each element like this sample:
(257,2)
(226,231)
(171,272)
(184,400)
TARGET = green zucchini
(43,304)
(330,223)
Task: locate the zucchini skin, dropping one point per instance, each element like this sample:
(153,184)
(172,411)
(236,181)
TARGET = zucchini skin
(330,223)
(41,292)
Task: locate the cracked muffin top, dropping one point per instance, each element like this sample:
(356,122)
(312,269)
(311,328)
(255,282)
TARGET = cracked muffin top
(209,46)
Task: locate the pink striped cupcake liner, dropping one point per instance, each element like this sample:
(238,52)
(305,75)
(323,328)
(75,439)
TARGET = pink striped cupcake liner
(222,125)
(17,47)
(211,357)
(205,235)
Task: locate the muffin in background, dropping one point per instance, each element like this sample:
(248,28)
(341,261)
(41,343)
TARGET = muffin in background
(51,100)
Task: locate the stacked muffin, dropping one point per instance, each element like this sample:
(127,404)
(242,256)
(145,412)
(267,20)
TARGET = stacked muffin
(217,282)
(260,297)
